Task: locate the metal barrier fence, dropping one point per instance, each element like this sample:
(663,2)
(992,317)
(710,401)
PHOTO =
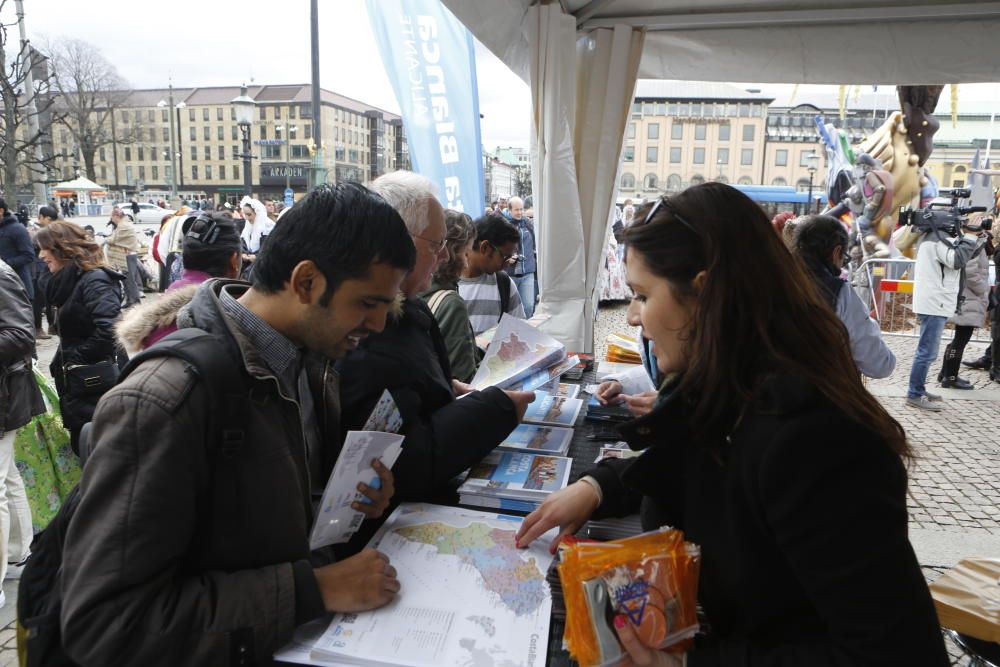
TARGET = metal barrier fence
(886,285)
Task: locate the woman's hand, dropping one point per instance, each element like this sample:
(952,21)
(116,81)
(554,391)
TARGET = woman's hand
(568,509)
(609,392)
(642,655)
(640,404)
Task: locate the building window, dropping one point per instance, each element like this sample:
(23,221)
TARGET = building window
(222,152)
(309,131)
(271,152)
(779,182)
(684,109)
(129,177)
(104,173)
(696,108)
(235,133)
(263,132)
(647,109)
(745,180)
(746,156)
(164,115)
(699,156)
(193,133)
(661,109)
(672,109)
(723,156)
(744,110)
(748,132)
(649,183)
(207,132)
(628,182)
(630,131)
(653,131)
(142,173)
(194,172)
(756,110)
(673,182)
(204,113)
(208,172)
(802,185)
(232,114)
(628,154)
(191,115)
(142,154)
(780,157)
(652,154)
(697,179)
(806,159)
(102,154)
(194,152)
(166,134)
(128,153)
(675,155)
(263,113)
(220,133)
(676,131)
(222,172)
(236,172)
(208,152)
(156,173)
(218,113)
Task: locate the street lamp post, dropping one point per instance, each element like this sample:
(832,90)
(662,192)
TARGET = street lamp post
(812,159)
(173,142)
(244,106)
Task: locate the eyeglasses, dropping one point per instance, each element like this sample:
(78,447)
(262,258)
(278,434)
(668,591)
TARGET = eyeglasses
(506,258)
(435,246)
(677,216)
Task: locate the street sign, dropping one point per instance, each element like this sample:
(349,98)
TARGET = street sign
(288,197)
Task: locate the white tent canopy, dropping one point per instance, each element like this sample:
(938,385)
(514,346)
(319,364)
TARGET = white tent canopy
(80,184)
(582,57)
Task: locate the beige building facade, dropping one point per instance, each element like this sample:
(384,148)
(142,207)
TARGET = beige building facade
(361,142)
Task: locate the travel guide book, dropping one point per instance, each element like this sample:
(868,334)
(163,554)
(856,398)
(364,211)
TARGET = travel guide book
(518,352)
(551,410)
(540,439)
(517,476)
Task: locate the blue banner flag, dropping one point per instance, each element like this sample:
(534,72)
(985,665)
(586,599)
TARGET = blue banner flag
(431,62)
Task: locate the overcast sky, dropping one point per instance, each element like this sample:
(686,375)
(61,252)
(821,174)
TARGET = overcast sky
(226,42)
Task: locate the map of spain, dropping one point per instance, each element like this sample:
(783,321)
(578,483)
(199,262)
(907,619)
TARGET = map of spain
(492,553)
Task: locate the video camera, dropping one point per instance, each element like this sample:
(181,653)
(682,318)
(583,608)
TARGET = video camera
(948,218)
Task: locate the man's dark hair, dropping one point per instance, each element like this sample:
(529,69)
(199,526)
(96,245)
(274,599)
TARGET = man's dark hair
(816,236)
(3,204)
(496,229)
(49,212)
(210,239)
(343,229)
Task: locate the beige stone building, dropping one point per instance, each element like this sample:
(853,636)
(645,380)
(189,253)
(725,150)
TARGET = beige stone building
(682,133)
(361,142)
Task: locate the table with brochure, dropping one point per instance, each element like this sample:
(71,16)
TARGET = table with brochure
(511,597)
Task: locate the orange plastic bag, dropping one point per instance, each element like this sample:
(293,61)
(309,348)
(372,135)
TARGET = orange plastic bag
(651,579)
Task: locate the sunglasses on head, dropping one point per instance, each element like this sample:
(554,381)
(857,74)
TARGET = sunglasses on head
(665,202)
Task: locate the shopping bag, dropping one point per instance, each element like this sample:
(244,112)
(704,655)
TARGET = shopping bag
(967,598)
(49,469)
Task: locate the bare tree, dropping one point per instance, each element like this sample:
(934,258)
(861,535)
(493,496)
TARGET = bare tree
(21,106)
(89,90)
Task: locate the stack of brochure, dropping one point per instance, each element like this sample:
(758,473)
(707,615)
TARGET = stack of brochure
(514,481)
(521,357)
(552,410)
(535,438)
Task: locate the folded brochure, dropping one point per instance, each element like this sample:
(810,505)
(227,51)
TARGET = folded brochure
(517,352)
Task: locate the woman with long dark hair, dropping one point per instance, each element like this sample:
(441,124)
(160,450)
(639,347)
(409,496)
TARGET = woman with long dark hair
(765,448)
(88,296)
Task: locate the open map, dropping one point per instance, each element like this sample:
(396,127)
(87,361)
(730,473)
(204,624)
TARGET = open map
(517,351)
(468,598)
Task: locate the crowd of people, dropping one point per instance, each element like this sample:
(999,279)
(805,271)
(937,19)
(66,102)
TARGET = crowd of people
(187,541)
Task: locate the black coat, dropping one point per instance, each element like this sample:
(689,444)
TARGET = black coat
(16,249)
(801,518)
(86,327)
(444,436)
(20,398)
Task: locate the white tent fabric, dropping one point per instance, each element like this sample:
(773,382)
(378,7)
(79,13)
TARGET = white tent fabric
(581,88)
(780,41)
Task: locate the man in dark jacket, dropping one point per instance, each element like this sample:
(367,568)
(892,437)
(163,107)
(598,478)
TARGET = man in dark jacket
(15,247)
(20,400)
(184,552)
(444,436)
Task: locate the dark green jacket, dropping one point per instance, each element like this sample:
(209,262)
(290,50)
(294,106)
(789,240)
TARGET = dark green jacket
(453,319)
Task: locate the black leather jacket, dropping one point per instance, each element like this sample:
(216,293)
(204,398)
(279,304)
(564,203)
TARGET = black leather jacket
(20,398)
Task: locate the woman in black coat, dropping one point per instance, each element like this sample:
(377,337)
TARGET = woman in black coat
(88,296)
(765,448)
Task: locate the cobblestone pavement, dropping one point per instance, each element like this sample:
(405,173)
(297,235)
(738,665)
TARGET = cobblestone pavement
(954,482)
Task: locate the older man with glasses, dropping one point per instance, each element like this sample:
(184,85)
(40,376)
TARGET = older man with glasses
(444,436)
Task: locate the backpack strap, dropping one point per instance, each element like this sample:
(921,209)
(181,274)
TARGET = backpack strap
(434,303)
(503,286)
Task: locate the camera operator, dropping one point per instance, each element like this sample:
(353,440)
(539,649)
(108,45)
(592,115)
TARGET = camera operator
(972,305)
(936,288)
